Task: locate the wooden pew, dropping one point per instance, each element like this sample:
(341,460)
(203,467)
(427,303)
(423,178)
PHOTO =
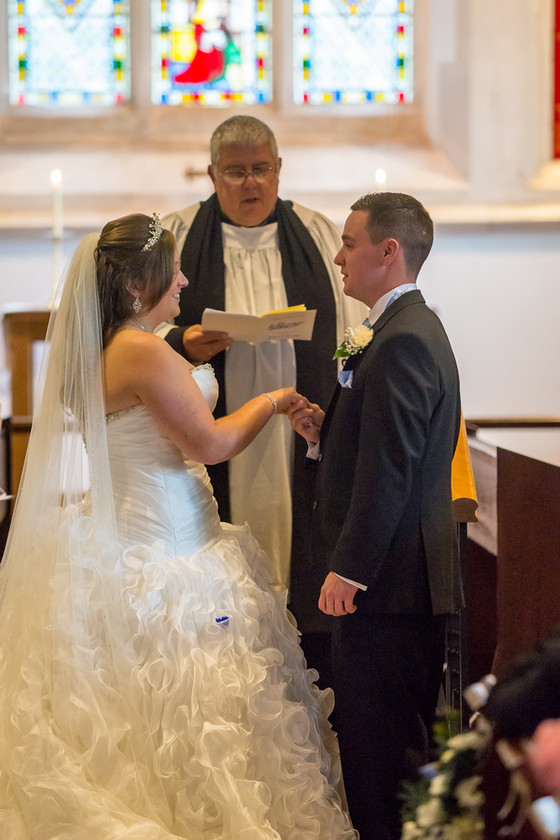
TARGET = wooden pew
(22,328)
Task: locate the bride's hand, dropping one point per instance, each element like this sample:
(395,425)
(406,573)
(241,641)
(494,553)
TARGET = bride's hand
(284,397)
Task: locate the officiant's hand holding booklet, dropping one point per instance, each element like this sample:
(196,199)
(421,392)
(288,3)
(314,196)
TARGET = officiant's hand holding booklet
(294,322)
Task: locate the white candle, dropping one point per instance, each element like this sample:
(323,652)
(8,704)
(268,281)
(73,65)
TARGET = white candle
(380,179)
(56,186)
(56,268)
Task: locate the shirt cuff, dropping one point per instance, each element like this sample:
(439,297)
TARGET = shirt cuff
(361,586)
(313,451)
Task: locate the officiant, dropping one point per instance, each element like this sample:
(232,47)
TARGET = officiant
(245,250)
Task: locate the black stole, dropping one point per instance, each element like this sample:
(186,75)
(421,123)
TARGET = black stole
(306,281)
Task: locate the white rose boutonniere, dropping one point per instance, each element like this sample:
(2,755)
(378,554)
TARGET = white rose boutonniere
(356,339)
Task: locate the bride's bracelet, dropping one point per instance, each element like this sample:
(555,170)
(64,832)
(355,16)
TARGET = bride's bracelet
(273,400)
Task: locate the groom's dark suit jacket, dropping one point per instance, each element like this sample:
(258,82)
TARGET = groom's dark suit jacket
(383,513)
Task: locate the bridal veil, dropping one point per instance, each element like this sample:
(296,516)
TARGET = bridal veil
(63,664)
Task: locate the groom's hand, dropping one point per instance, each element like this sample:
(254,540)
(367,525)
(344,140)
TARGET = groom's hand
(337,596)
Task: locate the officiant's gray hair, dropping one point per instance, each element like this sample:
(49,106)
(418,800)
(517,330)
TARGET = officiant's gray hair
(241,130)
(403,217)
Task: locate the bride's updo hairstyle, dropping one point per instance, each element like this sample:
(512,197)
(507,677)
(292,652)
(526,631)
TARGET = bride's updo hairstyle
(124,260)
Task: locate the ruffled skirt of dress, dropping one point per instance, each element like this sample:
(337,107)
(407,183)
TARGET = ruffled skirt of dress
(201,722)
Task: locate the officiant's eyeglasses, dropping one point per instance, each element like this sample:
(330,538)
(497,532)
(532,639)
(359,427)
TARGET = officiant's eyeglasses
(237,175)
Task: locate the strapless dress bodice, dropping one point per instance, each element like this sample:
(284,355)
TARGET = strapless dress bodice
(157,493)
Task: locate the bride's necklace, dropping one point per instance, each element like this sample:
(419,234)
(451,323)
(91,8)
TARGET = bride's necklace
(134,323)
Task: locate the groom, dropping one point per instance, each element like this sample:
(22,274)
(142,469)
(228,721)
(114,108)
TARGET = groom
(383,517)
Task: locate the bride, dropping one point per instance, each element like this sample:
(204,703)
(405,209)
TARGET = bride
(151,682)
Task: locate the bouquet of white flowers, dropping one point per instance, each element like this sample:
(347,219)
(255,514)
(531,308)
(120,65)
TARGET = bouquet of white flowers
(446,803)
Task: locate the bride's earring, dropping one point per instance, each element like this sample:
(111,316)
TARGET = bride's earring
(136,305)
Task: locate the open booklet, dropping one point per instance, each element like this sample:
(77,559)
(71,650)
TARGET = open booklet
(293,322)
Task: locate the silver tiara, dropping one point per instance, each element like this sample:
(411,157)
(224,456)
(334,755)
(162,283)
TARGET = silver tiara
(155,229)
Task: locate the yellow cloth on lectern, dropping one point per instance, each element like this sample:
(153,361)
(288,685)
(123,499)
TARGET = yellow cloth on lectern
(463,490)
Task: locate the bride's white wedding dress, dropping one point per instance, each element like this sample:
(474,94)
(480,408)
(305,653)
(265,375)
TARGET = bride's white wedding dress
(215,731)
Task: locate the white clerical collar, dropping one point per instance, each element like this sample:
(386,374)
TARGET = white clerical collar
(250,238)
(387,299)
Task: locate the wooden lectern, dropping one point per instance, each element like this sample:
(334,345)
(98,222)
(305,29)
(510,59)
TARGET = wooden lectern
(517,470)
(512,571)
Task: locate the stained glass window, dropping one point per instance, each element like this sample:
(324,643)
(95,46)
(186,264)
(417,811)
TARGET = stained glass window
(211,52)
(68,52)
(352,51)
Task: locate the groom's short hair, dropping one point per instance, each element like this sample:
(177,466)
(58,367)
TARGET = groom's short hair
(402,217)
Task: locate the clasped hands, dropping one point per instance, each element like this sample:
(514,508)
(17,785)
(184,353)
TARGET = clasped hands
(306,419)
